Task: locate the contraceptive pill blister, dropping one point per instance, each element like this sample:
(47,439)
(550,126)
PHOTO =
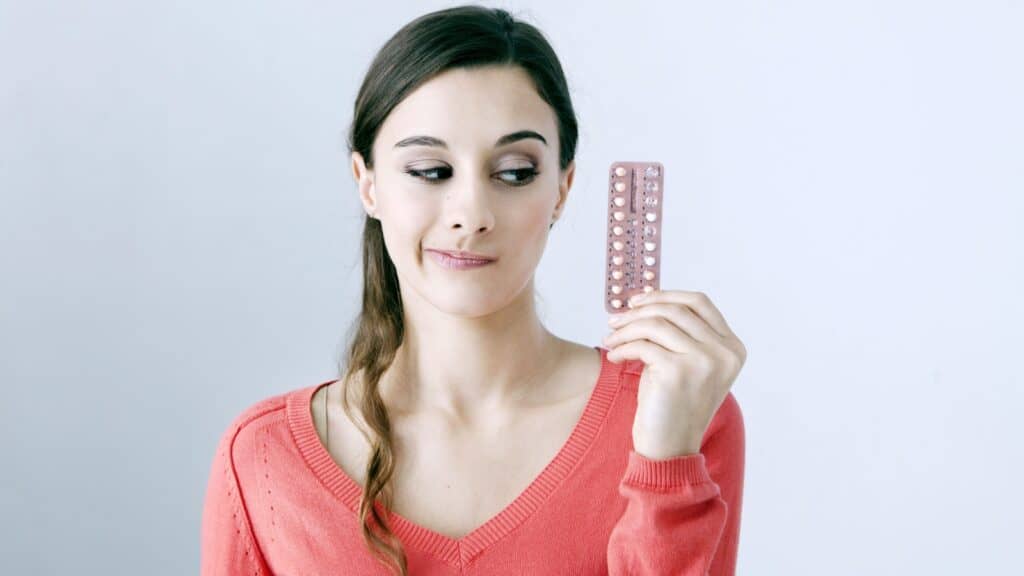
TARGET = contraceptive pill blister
(633,263)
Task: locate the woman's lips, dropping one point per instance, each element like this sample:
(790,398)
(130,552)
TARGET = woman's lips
(453,263)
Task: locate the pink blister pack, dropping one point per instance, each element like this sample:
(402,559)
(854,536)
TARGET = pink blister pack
(633,264)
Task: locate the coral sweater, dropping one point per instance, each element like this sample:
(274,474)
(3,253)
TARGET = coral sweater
(277,503)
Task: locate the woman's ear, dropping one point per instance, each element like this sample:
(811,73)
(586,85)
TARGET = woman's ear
(564,184)
(364,181)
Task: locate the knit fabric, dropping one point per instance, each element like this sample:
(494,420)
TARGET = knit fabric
(277,503)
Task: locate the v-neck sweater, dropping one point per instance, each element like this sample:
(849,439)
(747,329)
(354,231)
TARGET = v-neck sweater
(278,504)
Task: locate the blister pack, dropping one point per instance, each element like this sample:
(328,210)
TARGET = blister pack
(635,199)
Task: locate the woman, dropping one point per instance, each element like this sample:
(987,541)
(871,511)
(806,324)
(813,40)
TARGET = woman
(487,444)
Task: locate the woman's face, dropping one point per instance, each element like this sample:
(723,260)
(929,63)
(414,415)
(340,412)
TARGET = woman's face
(446,177)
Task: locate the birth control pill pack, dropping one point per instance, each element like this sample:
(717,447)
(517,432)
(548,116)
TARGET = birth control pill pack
(635,199)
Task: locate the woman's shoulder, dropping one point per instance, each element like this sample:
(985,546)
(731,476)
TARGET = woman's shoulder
(262,412)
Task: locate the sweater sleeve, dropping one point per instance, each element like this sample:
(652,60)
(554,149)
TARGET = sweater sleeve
(682,515)
(227,544)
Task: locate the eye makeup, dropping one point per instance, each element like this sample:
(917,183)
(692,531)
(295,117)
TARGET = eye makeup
(521,176)
(633,251)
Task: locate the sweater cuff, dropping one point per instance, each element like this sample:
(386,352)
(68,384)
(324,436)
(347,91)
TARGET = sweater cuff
(686,470)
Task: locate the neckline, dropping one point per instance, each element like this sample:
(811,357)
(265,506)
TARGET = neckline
(457,551)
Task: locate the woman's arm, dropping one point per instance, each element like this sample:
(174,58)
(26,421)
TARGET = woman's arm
(682,517)
(227,545)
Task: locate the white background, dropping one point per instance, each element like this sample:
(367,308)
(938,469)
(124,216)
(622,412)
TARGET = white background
(179,227)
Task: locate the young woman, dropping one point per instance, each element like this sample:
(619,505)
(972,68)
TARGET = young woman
(485,443)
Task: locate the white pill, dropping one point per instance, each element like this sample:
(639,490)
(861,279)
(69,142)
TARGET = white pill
(620,186)
(649,246)
(651,216)
(649,260)
(616,289)
(619,201)
(648,275)
(617,230)
(617,260)
(616,303)
(617,274)
(619,215)
(620,171)
(617,245)
(648,288)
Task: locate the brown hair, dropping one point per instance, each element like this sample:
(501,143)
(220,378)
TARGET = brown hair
(459,37)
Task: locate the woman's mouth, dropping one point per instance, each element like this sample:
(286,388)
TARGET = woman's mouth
(452,262)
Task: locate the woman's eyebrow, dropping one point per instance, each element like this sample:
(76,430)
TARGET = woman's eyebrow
(506,139)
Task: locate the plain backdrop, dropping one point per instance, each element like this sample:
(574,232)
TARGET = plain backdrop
(179,239)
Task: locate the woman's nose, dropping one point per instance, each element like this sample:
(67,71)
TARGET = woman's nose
(470,206)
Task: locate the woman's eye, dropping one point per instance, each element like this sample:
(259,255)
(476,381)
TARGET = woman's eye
(526,174)
(431,171)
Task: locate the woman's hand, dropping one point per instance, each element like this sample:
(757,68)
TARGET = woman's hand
(691,359)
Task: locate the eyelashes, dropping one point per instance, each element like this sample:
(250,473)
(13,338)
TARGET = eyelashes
(526,175)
